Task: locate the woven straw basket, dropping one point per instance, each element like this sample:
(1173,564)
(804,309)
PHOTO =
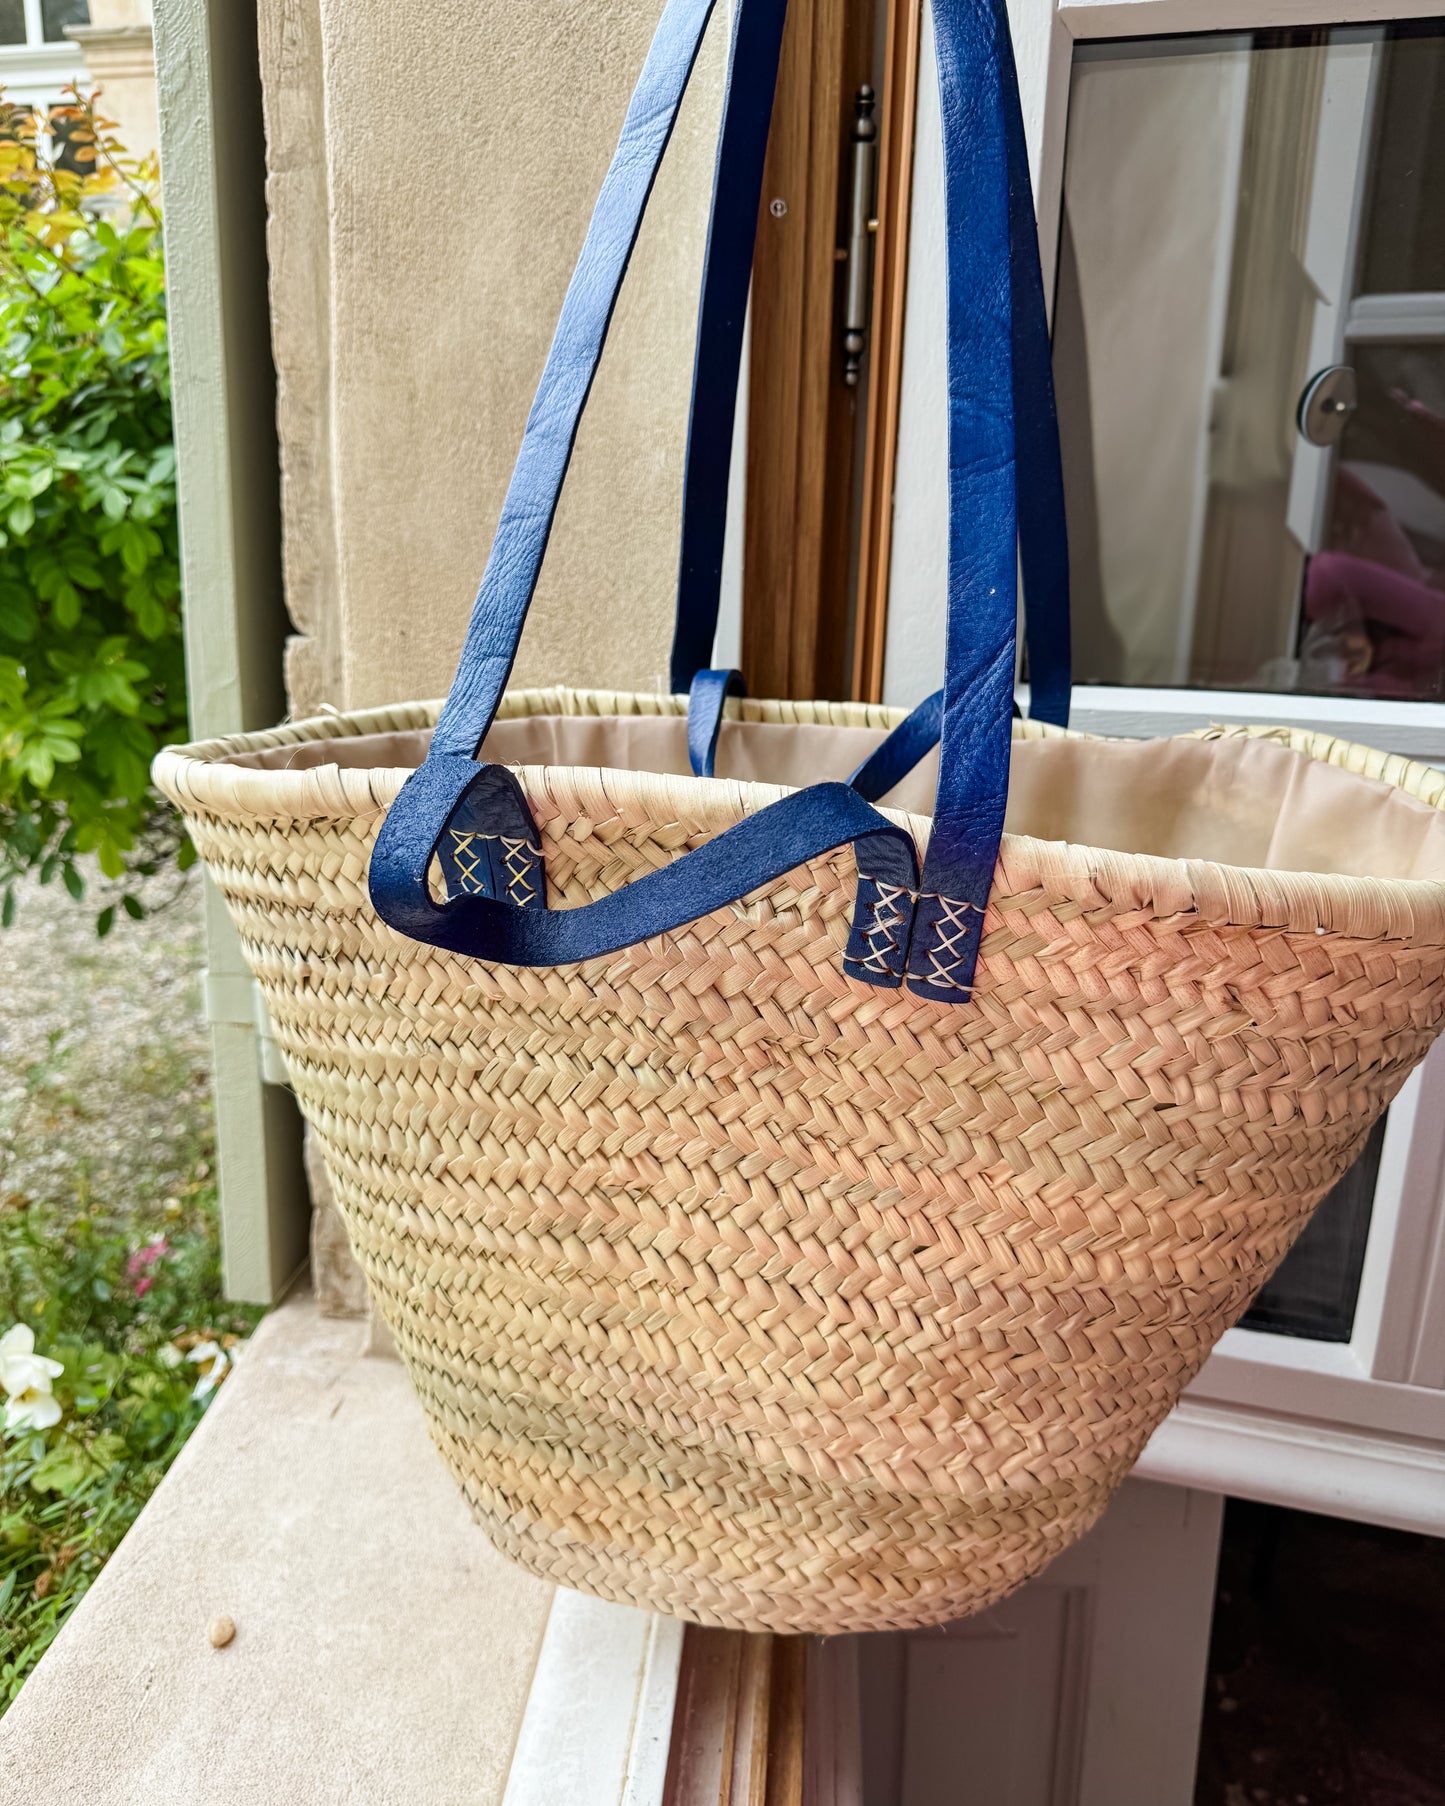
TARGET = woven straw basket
(741,1290)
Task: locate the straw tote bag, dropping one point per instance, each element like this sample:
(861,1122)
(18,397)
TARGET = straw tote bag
(796,1214)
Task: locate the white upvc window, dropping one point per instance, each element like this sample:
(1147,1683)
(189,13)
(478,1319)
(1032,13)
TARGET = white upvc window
(1236,199)
(37,61)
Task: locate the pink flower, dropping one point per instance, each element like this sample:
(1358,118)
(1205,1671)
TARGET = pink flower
(145,1257)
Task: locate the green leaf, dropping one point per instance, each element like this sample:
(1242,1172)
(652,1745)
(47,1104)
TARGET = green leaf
(74,883)
(133,907)
(105,921)
(89,563)
(63,1469)
(66,607)
(18,618)
(78,557)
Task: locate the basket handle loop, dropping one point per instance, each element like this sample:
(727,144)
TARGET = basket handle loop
(935,929)
(706,698)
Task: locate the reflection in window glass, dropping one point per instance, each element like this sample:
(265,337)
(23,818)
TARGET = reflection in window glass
(1249,222)
(1404,244)
(1317,1287)
(12,21)
(55,15)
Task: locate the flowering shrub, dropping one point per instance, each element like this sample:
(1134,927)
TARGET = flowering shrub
(118,1337)
(92,679)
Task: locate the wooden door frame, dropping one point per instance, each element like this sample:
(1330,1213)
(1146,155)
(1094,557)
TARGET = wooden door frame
(817,537)
(801,416)
(737,1726)
(890,288)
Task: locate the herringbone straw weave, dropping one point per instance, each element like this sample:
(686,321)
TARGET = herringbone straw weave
(739,1290)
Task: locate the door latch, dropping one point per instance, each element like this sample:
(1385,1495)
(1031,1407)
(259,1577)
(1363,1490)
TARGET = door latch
(1330,397)
(858,287)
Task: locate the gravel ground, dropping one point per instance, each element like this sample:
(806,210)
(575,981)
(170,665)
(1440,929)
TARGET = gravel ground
(104,1055)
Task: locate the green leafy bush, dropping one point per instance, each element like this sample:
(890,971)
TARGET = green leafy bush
(92,679)
(124,1299)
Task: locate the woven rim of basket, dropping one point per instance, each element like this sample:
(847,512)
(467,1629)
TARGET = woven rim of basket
(199,781)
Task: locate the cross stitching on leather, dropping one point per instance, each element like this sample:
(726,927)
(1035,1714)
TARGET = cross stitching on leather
(467,862)
(887,919)
(950,932)
(517,856)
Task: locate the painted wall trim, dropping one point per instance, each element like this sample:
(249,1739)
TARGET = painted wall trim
(223,389)
(598,1722)
(1395,1481)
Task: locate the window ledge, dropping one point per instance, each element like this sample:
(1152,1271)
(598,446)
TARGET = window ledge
(383,1651)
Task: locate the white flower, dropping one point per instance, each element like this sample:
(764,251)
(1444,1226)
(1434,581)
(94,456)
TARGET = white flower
(25,1377)
(22,1370)
(169,1355)
(32,1410)
(213,1361)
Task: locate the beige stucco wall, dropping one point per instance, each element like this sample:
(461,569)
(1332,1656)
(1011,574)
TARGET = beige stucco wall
(431,172)
(120,60)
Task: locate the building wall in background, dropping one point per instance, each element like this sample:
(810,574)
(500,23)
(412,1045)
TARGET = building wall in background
(431,171)
(120,59)
(113,52)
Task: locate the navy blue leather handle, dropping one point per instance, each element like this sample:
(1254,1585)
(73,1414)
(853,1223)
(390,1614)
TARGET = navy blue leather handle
(1040,495)
(706,700)
(737,184)
(474,817)
(529,508)
(727,274)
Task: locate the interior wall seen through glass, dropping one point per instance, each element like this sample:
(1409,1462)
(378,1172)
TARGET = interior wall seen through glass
(1249,345)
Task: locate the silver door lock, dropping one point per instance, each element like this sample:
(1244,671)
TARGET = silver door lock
(1329,398)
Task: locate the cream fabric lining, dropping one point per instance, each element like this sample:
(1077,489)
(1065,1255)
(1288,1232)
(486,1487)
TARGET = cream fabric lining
(1236,802)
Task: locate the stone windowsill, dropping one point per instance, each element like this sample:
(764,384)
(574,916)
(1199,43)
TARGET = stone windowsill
(383,1653)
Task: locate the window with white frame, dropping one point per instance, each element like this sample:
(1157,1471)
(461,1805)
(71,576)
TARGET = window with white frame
(1250,333)
(1236,200)
(37,60)
(1249,339)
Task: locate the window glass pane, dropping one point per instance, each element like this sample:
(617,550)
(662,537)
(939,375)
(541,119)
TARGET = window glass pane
(12,21)
(1404,247)
(55,15)
(1315,1291)
(1249,342)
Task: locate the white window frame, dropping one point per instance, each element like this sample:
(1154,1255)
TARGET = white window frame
(37,73)
(1357,1428)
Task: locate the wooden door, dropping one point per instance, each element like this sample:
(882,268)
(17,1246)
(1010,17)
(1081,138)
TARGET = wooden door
(819,460)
